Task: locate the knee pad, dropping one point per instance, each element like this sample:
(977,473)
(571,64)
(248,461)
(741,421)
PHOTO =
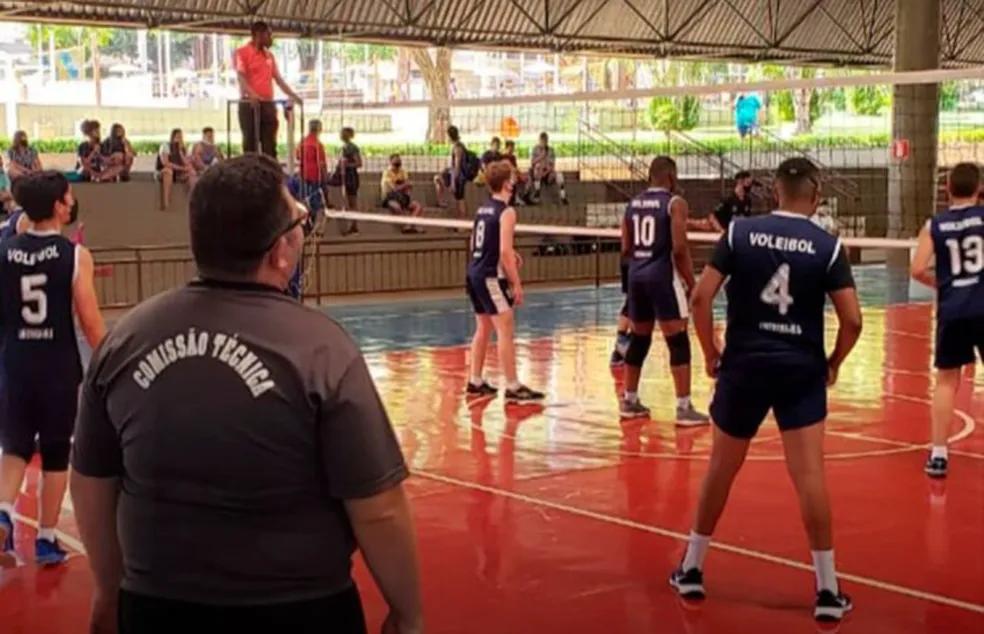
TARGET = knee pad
(638,349)
(54,455)
(679,345)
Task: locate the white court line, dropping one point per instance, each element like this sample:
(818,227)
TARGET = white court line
(729,548)
(63,537)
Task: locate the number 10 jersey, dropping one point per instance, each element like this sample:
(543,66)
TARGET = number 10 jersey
(37,271)
(780,268)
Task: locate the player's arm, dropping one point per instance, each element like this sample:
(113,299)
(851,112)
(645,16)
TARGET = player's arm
(626,237)
(244,87)
(283,85)
(679,210)
(922,261)
(843,294)
(85,301)
(716,225)
(508,257)
(702,302)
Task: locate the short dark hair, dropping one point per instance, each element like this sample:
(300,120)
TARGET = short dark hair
(453,133)
(259,27)
(497,174)
(799,177)
(38,193)
(348,131)
(208,130)
(964,180)
(510,143)
(496,139)
(88,126)
(236,210)
(544,136)
(661,167)
(742,175)
(394,155)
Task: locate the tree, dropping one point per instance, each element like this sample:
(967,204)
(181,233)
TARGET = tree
(868,100)
(680,112)
(436,71)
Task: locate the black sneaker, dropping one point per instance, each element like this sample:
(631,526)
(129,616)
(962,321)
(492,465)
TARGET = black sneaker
(523,394)
(481,390)
(690,584)
(936,467)
(831,607)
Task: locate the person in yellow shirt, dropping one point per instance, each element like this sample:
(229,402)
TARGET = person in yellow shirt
(395,188)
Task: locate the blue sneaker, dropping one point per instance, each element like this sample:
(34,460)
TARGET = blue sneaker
(48,553)
(6,532)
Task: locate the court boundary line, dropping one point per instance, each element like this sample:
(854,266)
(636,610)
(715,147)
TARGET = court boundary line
(870,582)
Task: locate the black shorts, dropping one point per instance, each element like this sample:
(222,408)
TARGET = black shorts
(340,614)
(652,300)
(742,398)
(399,200)
(45,409)
(350,180)
(956,342)
(490,295)
(459,184)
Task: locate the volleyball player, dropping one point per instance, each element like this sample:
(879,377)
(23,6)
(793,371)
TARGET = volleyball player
(624,325)
(955,238)
(654,241)
(780,269)
(45,280)
(494,286)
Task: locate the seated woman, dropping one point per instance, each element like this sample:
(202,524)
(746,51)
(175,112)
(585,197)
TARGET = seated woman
(174,165)
(206,153)
(92,164)
(118,151)
(395,189)
(22,159)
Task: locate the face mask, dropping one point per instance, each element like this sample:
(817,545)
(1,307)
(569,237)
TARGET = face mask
(397,166)
(73,215)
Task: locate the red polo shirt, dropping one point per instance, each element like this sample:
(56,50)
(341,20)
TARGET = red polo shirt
(311,155)
(258,67)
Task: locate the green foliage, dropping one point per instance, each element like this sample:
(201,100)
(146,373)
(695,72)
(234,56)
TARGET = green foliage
(868,100)
(363,53)
(674,113)
(949,96)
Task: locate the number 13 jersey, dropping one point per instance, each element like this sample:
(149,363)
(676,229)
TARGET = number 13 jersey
(780,268)
(37,271)
(958,242)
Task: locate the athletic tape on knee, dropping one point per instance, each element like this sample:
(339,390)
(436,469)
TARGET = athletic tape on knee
(54,455)
(638,349)
(679,345)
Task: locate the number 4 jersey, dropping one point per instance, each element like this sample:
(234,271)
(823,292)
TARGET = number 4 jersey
(37,271)
(781,268)
(958,241)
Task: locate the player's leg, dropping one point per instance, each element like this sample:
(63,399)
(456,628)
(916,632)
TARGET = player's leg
(477,385)
(55,434)
(459,198)
(504,322)
(678,343)
(167,182)
(17,431)
(640,340)
(954,349)
(559,179)
(624,324)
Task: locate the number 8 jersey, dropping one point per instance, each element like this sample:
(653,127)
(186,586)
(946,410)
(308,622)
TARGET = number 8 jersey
(958,242)
(781,268)
(484,261)
(37,271)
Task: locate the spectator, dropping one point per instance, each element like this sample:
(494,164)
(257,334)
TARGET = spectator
(206,153)
(395,189)
(314,170)
(174,165)
(257,71)
(92,164)
(463,167)
(737,203)
(521,191)
(117,149)
(239,511)
(346,175)
(747,114)
(22,159)
(543,169)
(492,155)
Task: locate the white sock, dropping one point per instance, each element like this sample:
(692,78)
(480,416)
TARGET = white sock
(696,551)
(939,451)
(683,402)
(632,397)
(823,564)
(7,508)
(47,533)
(477,381)
(514,385)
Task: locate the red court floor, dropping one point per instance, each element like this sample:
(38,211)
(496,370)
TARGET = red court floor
(562,519)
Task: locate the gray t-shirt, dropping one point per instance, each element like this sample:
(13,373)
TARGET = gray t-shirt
(237,421)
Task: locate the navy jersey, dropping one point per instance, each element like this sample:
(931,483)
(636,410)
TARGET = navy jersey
(781,268)
(37,271)
(484,262)
(650,233)
(958,241)
(8,228)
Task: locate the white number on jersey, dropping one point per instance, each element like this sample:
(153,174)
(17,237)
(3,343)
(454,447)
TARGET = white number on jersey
(776,292)
(35,309)
(479,238)
(966,257)
(645,231)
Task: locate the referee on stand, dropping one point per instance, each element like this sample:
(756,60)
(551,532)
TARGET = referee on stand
(232,452)
(256,69)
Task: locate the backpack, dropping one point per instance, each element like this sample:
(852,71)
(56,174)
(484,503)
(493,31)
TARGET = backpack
(470,166)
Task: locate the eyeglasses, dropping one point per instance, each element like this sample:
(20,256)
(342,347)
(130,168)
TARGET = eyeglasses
(293,224)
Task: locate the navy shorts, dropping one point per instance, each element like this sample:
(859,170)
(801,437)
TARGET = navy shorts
(651,300)
(36,408)
(350,180)
(490,295)
(743,398)
(459,185)
(956,342)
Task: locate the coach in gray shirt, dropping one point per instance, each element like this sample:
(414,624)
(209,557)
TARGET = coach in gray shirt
(231,450)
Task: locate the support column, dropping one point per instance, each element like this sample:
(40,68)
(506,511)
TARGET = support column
(915,118)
